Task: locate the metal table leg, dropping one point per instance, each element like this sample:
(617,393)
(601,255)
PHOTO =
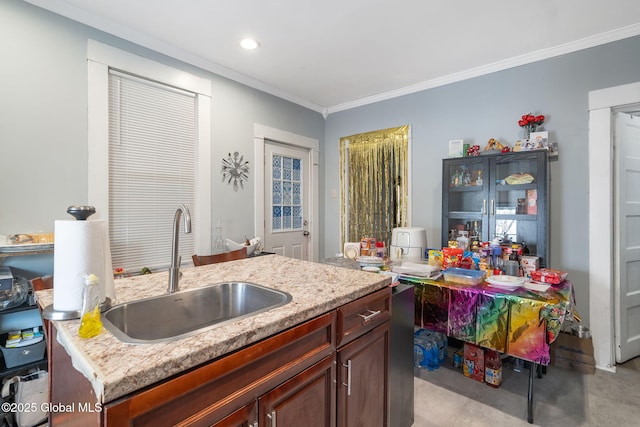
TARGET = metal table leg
(532,368)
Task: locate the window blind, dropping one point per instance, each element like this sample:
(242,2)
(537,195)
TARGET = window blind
(152,170)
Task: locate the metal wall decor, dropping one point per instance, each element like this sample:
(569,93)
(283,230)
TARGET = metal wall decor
(235,170)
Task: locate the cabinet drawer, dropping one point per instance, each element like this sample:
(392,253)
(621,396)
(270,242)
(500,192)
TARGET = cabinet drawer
(362,315)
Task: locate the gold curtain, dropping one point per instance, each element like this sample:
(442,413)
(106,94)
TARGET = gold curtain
(374,181)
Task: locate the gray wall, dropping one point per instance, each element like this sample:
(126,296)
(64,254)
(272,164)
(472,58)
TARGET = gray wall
(43,132)
(489,107)
(43,126)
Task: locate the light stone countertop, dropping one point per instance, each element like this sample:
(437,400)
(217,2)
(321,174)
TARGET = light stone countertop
(115,368)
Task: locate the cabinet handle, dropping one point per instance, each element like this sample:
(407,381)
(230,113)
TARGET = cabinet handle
(348,384)
(493,207)
(371,315)
(484,206)
(272,418)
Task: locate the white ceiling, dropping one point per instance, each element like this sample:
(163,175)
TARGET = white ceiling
(331,55)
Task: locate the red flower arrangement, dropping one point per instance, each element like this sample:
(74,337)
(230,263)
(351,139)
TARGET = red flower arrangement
(473,151)
(530,123)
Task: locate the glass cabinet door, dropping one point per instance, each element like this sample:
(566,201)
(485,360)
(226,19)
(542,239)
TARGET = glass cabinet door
(465,195)
(518,200)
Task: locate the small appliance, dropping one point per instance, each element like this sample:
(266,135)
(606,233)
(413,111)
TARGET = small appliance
(408,243)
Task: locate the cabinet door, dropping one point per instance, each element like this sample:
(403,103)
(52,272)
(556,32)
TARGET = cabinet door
(518,211)
(363,371)
(465,195)
(308,399)
(247,416)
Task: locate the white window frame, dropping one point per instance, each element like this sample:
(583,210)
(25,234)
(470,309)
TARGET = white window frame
(101,57)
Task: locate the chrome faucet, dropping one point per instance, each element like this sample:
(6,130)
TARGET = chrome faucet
(174,270)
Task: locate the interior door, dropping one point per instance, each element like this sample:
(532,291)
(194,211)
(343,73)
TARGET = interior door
(627,232)
(287,202)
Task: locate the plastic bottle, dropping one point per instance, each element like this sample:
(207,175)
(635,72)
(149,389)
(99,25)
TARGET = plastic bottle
(418,355)
(219,245)
(425,344)
(492,368)
(431,354)
(441,341)
(90,322)
(463,240)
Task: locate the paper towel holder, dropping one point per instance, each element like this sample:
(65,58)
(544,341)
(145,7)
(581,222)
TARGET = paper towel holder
(50,314)
(81,213)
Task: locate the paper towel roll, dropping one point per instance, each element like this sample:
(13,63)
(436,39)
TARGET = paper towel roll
(81,248)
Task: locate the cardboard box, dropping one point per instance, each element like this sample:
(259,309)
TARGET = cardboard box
(572,352)
(530,262)
(532,202)
(473,365)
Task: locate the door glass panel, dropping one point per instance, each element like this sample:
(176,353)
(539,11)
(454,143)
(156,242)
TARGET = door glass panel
(466,184)
(516,172)
(516,200)
(286,193)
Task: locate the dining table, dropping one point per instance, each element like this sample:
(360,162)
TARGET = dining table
(519,320)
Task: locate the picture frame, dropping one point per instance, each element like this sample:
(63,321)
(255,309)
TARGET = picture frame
(456,148)
(539,140)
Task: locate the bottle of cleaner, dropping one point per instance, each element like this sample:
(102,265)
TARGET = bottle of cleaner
(90,322)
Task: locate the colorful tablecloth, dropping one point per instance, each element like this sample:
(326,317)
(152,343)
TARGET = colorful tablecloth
(521,323)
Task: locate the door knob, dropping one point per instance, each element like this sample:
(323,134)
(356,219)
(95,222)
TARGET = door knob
(305,233)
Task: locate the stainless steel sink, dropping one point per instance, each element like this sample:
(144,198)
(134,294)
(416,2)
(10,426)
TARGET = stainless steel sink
(184,313)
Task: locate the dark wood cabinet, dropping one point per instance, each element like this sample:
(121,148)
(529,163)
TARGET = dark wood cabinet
(290,378)
(363,380)
(308,399)
(247,416)
(363,361)
(204,396)
(477,194)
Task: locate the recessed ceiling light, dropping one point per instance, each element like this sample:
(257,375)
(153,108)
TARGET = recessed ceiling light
(249,43)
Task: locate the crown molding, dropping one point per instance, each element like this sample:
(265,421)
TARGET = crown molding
(79,15)
(539,55)
(76,14)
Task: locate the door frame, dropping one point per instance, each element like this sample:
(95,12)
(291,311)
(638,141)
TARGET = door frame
(262,133)
(602,285)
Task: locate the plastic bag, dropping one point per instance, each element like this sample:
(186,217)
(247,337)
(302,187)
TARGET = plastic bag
(32,392)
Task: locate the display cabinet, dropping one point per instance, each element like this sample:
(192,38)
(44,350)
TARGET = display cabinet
(502,195)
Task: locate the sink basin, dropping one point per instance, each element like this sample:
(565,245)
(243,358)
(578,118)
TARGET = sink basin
(184,313)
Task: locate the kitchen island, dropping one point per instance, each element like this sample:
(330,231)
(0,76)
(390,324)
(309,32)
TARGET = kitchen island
(112,373)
